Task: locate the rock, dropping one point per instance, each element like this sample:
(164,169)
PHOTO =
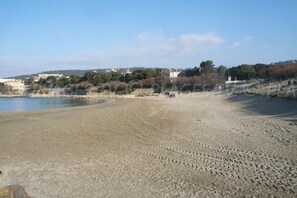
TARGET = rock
(13,191)
(172,95)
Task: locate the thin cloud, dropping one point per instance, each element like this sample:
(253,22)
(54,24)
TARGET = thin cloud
(184,45)
(154,49)
(92,58)
(147,49)
(240,42)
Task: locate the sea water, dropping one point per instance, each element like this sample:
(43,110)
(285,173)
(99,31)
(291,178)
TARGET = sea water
(27,104)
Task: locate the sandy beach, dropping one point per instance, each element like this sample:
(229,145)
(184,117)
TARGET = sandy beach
(194,145)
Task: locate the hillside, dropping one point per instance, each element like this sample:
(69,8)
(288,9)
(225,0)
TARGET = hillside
(78,72)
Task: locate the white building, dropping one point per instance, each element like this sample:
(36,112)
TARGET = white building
(3,80)
(44,76)
(127,72)
(230,81)
(14,83)
(173,74)
(111,70)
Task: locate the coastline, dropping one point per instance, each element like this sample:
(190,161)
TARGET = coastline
(67,96)
(10,96)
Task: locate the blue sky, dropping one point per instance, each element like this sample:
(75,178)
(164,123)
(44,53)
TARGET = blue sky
(45,35)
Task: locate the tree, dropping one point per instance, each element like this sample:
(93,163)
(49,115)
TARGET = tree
(51,81)
(159,72)
(128,77)
(92,77)
(42,81)
(143,74)
(262,71)
(190,72)
(206,67)
(5,89)
(246,72)
(74,79)
(62,82)
(28,81)
(222,70)
(116,76)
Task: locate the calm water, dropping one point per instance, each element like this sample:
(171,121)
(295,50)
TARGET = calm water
(27,104)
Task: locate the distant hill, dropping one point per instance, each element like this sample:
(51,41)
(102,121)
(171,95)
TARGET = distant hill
(64,72)
(285,62)
(78,72)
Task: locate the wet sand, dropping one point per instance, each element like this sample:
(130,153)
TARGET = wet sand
(190,146)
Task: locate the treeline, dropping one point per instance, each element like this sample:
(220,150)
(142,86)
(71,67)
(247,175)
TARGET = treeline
(204,77)
(262,71)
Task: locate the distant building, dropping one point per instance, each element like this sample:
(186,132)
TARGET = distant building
(17,85)
(173,73)
(36,78)
(3,80)
(235,81)
(110,70)
(44,76)
(285,62)
(127,72)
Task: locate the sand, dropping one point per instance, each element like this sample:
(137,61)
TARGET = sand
(194,145)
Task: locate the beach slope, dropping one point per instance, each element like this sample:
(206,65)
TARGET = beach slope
(190,146)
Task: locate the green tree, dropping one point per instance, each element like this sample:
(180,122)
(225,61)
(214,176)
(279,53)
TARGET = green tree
(42,82)
(28,81)
(222,70)
(190,72)
(246,72)
(262,71)
(92,77)
(143,74)
(51,81)
(62,82)
(74,79)
(128,77)
(115,76)
(207,67)
(159,72)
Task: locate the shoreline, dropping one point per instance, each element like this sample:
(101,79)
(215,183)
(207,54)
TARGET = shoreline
(113,95)
(62,96)
(10,96)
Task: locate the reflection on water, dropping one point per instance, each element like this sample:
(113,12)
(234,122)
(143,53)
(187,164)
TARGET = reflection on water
(26,104)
